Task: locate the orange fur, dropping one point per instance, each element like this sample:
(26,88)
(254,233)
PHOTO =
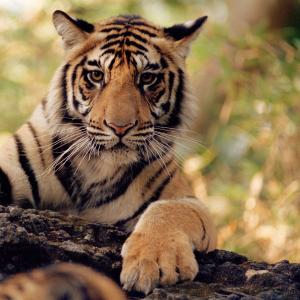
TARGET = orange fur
(62,281)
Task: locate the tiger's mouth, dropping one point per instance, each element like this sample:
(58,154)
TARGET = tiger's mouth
(132,146)
(143,146)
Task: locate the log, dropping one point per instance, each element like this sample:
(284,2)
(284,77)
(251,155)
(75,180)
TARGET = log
(31,239)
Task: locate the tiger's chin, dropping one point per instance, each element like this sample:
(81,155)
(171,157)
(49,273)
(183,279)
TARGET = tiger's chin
(120,156)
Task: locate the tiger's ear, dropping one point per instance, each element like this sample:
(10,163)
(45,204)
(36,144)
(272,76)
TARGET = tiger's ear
(184,34)
(73,31)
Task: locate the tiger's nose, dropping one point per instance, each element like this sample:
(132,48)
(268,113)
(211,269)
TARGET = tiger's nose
(120,129)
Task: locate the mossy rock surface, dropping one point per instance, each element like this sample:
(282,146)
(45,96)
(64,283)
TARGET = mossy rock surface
(31,239)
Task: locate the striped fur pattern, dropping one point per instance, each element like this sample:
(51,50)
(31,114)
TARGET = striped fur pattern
(101,144)
(61,282)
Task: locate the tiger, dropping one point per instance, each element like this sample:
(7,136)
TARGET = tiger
(101,144)
(63,281)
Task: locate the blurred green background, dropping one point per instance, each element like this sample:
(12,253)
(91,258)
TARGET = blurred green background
(246,76)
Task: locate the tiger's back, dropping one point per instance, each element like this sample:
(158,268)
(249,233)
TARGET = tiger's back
(60,282)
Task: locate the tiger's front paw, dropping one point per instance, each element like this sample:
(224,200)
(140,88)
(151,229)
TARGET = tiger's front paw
(150,260)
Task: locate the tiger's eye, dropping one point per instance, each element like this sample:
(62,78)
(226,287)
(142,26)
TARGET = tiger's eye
(148,78)
(95,76)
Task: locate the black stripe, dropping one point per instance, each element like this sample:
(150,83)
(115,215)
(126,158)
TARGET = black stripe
(113,24)
(65,174)
(142,134)
(144,31)
(81,91)
(86,111)
(108,51)
(164,63)
(118,188)
(119,53)
(175,119)
(93,63)
(76,104)
(155,196)
(147,125)
(98,133)
(152,67)
(100,140)
(133,61)
(166,107)
(25,164)
(64,86)
(138,52)
(106,180)
(5,189)
(74,76)
(171,83)
(36,139)
(110,44)
(98,128)
(112,62)
(113,36)
(159,95)
(136,45)
(128,56)
(104,184)
(154,115)
(113,28)
(152,179)
(66,118)
(136,36)
(204,230)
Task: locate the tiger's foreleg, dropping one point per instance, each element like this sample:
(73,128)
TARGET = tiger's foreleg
(160,249)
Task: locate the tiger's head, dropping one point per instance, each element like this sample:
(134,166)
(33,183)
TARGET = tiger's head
(123,82)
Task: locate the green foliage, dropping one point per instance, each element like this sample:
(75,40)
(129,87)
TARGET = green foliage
(253,130)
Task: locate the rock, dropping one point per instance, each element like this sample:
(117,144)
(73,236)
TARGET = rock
(31,239)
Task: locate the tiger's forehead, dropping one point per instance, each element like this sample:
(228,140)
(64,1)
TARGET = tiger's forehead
(129,23)
(123,56)
(125,40)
